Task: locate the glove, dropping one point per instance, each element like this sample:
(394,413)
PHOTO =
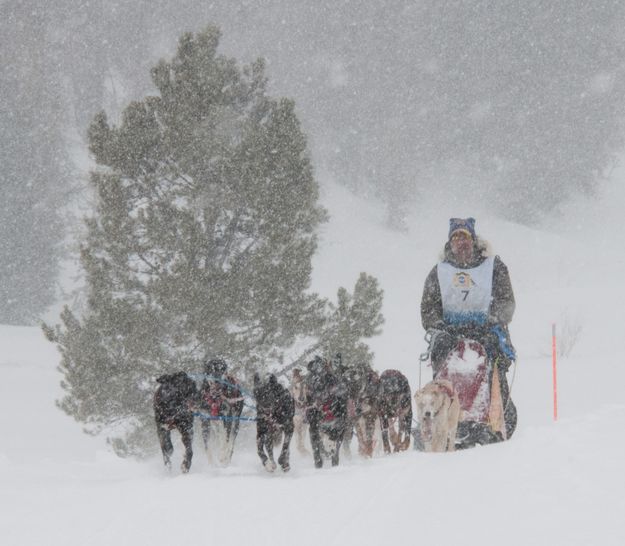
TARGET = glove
(492,321)
(441,327)
(440,345)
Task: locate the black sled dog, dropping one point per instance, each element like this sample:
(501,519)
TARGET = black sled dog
(395,405)
(274,418)
(175,400)
(326,411)
(363,385)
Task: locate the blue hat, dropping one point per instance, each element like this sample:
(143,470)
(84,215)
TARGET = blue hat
(462,224)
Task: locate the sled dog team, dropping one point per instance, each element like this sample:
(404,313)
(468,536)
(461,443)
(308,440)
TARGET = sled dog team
(466,307)
(330,403)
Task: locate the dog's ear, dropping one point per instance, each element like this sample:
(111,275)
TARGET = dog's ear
(162,379)
(256,379)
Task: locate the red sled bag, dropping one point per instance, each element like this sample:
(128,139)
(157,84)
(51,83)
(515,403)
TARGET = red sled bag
(471,372)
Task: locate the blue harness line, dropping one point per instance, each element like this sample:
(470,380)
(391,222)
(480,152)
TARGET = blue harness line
(203,376)
(208,417)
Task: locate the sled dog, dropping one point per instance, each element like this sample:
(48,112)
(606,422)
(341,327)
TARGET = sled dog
(175,400)
(274,410)
(221,402)
(298,392)
(326,412)
(438,411)
(395,410)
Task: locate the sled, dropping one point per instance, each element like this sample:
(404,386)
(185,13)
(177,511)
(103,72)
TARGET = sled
(476,382)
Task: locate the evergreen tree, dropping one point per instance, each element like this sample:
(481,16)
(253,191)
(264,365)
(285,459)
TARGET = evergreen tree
(355,316)
(201,242)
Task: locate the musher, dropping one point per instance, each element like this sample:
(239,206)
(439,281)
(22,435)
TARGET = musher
(468,294)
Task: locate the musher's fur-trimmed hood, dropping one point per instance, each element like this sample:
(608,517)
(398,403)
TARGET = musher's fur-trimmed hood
(481,250)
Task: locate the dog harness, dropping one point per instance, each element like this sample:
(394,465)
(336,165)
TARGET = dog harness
(449,392)
(328,414)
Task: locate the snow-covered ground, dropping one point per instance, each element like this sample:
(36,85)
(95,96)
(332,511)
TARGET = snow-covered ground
(555,483)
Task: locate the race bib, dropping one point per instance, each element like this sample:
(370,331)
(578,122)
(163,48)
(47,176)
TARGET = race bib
(466,293)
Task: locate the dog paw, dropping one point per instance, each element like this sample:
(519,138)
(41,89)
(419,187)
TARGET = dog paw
(269,466)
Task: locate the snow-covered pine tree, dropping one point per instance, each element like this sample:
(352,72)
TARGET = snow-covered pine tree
(201,243)
(355,317)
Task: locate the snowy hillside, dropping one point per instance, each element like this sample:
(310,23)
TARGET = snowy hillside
(552,483)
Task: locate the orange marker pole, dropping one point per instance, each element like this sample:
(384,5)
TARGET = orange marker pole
(555,375)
